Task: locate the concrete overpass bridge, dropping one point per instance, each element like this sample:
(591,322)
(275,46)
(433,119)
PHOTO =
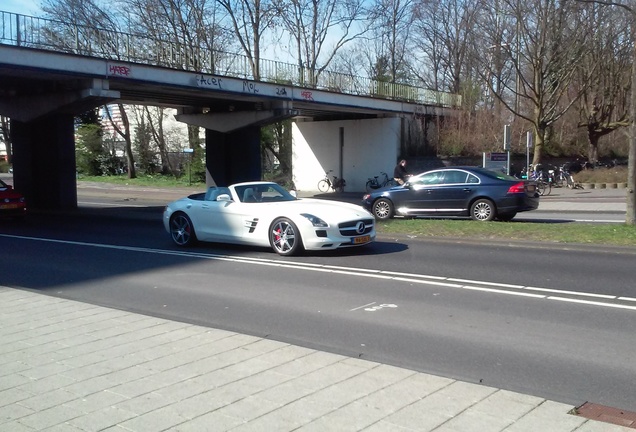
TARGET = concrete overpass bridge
(52,71)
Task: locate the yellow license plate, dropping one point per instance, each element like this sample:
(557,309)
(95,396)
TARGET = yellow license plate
(8,206)
(360,240)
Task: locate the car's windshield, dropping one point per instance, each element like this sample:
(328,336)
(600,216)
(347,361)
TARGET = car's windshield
(263,192)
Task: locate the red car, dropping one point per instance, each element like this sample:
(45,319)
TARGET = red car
(12,203)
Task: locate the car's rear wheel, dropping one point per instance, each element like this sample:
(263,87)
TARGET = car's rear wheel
(284,237)
(483,210)
(182,230)
(383,209)
(507,217)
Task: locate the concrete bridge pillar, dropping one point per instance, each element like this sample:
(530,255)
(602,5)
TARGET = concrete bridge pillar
(44,161)
(233,157)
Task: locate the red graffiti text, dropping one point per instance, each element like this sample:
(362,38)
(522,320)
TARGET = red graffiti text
(119,70)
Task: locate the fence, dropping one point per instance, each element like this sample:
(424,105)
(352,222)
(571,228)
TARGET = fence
(33,32)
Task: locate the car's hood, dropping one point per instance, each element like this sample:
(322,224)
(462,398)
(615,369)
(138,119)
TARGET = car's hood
(326,208)
(9,194)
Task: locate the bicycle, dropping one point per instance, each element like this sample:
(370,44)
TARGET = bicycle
(566,178)
(543,184)
(374,183)
(337,184)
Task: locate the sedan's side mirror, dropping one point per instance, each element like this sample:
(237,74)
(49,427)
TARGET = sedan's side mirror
(224,197)
(293,193)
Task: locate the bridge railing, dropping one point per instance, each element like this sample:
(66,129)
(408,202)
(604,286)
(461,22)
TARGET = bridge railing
(42,33)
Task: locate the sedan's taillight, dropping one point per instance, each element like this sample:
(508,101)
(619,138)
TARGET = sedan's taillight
(517,188)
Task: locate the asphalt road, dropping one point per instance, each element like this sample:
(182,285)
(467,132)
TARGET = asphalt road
(548,320)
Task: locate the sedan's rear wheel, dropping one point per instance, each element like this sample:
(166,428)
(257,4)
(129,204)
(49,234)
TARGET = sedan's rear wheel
(182,230)
(483,210)
(383,209)
(507,217)
(284,237)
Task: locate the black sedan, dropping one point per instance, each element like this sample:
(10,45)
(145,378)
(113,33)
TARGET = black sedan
(474,192)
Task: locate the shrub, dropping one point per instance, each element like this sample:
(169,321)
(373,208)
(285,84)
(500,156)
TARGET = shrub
(616,174)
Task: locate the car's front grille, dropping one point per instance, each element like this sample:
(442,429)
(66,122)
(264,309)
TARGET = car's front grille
(11,200)
(350,228)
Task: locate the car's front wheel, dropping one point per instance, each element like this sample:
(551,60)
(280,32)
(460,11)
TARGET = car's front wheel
(483,210)
(182,230)
(383,209)
(284,237)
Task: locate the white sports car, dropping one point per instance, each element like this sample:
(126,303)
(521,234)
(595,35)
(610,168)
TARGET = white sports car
(265,214)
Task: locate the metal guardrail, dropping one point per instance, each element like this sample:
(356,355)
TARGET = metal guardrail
(34,32)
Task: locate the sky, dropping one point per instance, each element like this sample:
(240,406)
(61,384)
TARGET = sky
(25,7)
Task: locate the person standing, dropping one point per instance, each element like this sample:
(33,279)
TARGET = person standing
(400,174)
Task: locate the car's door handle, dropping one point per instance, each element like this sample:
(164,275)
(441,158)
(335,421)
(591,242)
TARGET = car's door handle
(467,189)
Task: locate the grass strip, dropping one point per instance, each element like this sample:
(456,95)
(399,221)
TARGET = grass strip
(617,234)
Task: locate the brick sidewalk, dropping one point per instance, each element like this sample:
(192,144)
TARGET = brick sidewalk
(70,366)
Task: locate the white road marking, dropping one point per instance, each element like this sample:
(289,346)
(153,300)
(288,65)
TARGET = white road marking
(380,307)
(440,281)
(97,204)
(587,302)
(556,291)
(361,307)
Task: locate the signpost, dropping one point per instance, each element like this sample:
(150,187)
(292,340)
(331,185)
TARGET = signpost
(506,146)
(495,161)
(528,147)
(189,152)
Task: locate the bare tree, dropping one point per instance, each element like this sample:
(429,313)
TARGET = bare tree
(191,27)
(91,16)
(391,34)
(5,137)
(604,106)
(125,134)
(444,33)
(629,6)
(250,20)
(154,122)
(91,13)
(95,26)
(551,39)
(319,29)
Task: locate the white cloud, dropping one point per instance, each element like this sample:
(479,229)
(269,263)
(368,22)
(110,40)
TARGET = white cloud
(25,7)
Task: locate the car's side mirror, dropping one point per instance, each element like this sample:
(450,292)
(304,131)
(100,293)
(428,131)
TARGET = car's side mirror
(224,197)
(293,193)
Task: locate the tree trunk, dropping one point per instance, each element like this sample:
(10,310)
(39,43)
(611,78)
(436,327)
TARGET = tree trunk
(592,151)
(630,214)
(539,139)
(130,158)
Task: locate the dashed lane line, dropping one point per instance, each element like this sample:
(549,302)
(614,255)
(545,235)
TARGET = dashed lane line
(414,278)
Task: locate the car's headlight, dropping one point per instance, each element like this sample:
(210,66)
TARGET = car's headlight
(315,220)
